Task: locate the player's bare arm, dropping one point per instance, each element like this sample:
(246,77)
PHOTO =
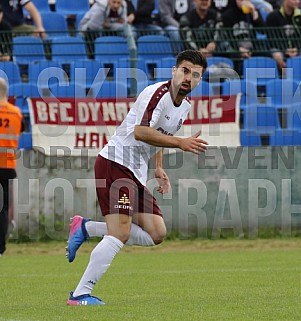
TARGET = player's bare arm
(151,136)
(161,176)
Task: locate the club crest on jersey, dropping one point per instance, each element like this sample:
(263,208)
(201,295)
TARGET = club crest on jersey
(124,203)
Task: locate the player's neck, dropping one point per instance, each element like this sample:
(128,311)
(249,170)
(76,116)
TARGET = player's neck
(175,96)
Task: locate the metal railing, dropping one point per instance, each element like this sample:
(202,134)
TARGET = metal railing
(260,40)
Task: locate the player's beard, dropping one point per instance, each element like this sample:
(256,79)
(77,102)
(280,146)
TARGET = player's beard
(183,91)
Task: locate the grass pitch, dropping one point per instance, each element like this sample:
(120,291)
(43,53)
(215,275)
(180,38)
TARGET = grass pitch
(177,281)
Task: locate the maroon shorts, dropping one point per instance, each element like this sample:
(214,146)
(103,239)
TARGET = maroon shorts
(119,191)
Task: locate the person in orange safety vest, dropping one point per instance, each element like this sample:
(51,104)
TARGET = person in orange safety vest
(11,126)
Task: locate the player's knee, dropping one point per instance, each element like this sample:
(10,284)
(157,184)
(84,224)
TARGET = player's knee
(122,233)
(123,236)
(159,235)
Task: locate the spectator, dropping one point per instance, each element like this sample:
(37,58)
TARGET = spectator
(264,7)
(222,5)
(238,23)
(105,17)
(13,16)
(10,130)
(170,12)
(130,12)
(144,22)
(284,31)
(5,39)
(199,27)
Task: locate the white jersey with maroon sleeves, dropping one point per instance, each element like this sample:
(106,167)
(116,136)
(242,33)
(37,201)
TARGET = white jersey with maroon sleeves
(154,108)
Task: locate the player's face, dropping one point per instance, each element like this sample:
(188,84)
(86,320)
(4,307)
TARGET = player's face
(186,77)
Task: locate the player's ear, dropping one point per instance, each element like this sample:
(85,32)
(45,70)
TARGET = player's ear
(174,69)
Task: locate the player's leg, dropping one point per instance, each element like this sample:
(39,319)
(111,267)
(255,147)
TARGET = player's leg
(82,229)
(142,223)
(116,196)
(149,217)
(151,224)
(103,254)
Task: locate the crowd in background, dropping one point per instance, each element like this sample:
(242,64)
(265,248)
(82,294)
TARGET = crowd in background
(225,27)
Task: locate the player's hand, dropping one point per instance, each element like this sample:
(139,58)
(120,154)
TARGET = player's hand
(163,181)
(194,144)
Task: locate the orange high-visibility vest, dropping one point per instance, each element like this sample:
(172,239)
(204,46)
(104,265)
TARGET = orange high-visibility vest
(10,130)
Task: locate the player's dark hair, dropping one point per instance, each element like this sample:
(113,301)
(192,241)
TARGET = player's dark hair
(194,56)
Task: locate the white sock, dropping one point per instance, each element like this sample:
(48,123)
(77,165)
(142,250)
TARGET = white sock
(96,229)
(100,260)
(137,236)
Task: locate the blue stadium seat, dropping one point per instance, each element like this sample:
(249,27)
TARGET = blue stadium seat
(10,72)
(157,69)
(203,89)
(67,7)
(41,5)
(55,24)
(111,47)
(219,68)
(233,87)
(261,119)
(260,70)
(293,116)
(21,91)
(154,47)
(286,137)
(282,92)
(27,49)
(248,91)
(108,89)
(44,73)
(112,52)
(68,90)
(293,68)
(78,19)
(218,59)
(285,96)
(141,85)
(66,49)
(85,72)
(168,62)
(249,138)
(25,140)
(152,69)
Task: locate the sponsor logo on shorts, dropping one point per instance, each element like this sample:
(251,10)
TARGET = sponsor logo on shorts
(124,203)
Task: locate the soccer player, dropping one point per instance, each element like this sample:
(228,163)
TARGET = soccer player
(132,215)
